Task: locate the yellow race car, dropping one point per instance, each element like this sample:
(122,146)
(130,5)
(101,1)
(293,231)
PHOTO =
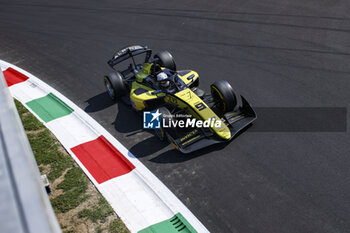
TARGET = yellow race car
(188,118)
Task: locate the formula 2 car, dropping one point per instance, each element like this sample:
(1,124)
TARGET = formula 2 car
(139,86)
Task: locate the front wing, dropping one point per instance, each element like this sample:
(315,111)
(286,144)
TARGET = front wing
(199,138)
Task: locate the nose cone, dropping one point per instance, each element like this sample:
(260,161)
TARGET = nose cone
(226,135)
(224,132)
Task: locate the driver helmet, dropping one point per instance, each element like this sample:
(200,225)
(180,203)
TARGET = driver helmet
(161,79)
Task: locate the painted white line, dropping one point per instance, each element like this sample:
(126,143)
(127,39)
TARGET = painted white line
(147,201)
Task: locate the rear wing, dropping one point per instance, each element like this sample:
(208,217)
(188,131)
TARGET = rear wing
(129,52)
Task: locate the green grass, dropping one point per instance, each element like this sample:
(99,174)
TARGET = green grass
(45,149)
(74,186)
(74,179)
(32,123)
(99,229)
(117,226)
(100,213)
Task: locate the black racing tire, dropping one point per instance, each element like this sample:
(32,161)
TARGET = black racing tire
(223,95)
(161,132)
(165,59)
(115,85)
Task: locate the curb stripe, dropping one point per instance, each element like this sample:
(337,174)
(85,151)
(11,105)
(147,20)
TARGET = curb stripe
(173,225)
(49,107)
(102,159)
(13,77)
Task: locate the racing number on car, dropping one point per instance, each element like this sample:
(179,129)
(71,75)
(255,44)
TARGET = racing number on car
(200,106)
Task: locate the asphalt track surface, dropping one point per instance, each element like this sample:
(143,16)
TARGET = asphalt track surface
(277,53)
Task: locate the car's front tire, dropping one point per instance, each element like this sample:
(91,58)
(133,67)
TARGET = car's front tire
(115,85)
(224,96)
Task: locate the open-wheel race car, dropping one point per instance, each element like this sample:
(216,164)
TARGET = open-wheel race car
(155,84)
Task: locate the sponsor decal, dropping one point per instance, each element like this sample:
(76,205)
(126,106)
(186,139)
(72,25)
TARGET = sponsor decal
(190,134)
(190,140)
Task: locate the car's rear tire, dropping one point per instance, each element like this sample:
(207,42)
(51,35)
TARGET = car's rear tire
(224,96)
(115,85)
(161,132)
(165,59)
